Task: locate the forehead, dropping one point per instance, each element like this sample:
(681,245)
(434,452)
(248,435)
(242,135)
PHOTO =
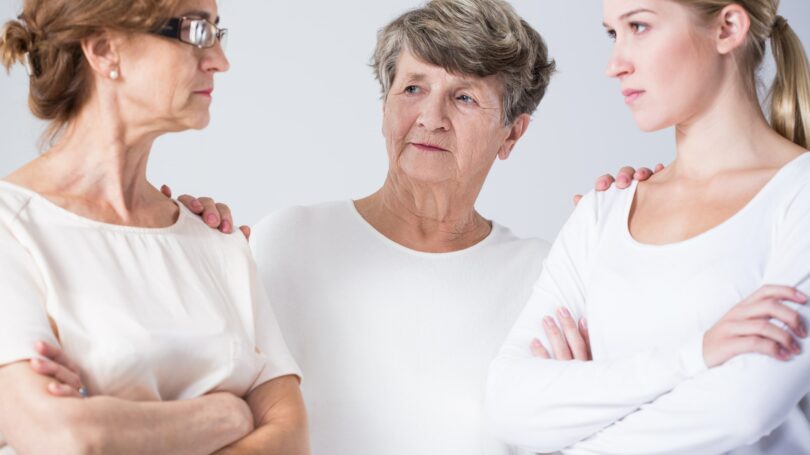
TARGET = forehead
(615,10)
(207,9)
(411,67)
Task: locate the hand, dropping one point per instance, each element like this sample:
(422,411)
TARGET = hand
(623,179)
(747,327)
(55,364)
(572,343)
(214,214)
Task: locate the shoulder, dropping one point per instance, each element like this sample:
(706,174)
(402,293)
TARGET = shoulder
(597,206)
(13,200)
(505,238)
(298,219)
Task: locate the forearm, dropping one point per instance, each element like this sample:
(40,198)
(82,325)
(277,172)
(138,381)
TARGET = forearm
(196,426)
(281,421)
(32,421)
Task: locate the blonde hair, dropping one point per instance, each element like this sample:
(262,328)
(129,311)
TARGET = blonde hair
(472,37)
(47,38)
(790,94)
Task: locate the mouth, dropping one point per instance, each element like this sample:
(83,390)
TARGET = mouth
(206,92)
(428,147)
(631,95)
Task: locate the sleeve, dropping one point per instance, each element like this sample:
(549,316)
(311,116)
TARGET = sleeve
(278,361)
(739,402)
(545,405)
(23,317)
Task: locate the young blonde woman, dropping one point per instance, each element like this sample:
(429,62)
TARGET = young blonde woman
(165,317)
(693,283)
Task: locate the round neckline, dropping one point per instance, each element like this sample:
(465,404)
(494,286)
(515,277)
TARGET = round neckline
(761,193)
(379,235)
(95,223)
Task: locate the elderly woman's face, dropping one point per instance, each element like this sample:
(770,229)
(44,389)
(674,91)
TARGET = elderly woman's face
(168,84)
(441,127)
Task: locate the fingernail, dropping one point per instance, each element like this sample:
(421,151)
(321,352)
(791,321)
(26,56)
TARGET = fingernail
(563,312)
(783,353)
(196,205)
(211,219)
(801,296)
(535,342)
(226,226)
(623,180)
(548,322)
(796,348)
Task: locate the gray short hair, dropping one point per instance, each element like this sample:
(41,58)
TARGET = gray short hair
(471,37)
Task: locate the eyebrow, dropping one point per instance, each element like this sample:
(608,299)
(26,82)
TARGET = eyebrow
(631,13)
(201,14)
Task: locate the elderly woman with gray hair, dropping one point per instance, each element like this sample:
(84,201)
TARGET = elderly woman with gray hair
(394,304)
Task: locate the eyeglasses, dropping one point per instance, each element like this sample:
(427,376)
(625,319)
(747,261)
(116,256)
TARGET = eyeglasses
(195,31)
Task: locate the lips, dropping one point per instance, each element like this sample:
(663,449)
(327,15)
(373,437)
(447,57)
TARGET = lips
(206,92)
(631,95)
(426,147)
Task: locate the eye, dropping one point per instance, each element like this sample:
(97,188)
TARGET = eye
(466,99)
(412,89)
(638,27)
(611,34)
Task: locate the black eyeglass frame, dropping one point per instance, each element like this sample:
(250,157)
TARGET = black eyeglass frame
(174,29)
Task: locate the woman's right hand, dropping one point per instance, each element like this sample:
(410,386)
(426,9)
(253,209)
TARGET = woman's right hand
(747,327)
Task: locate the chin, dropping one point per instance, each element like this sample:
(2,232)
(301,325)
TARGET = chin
(649,124)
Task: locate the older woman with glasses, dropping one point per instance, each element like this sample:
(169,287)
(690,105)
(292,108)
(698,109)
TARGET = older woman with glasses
(178,347)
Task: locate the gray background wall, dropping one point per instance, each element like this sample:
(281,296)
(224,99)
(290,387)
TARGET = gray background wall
(297,119)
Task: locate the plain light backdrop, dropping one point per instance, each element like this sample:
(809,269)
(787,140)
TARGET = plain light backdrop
(297,118)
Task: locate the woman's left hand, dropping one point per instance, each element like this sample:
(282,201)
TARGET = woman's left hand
(572,342)
(55,364)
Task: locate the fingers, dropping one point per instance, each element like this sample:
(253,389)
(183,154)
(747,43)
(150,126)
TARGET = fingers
(574,339)
(556,339)
(245,231)
(658,168)
(604,182)
(191,203)
(538,350)
(166,191)
(210,213)
(46,367)
(772,309)
(586,335)
(764,329)
(62,390)
(772,291)
(642,174)
(624,177)
(755,344)
(226,225)
(55,354)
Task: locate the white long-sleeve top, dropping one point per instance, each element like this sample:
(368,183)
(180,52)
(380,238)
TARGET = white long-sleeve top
(647,390)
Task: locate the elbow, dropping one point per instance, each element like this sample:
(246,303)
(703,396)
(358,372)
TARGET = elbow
(79,434)
(516,420)
(60,430)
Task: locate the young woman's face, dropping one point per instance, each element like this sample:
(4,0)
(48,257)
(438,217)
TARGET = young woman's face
(667,64)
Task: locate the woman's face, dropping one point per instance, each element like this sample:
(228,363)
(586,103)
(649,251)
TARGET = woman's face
(441,127)
(668,66)
(166,84)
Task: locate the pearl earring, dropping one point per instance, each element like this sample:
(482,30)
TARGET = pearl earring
(114,74)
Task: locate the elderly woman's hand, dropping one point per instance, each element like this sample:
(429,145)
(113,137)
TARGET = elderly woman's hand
(623,178)
(570,343)
(214,214)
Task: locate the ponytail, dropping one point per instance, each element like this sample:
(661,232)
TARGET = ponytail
(790,93)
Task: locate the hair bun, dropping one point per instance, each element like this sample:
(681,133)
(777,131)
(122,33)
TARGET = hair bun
(16,40)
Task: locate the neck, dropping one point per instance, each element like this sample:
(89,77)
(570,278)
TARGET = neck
(732,134)
(434,218)
(99,165)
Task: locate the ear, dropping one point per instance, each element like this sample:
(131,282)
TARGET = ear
(102,53)
(734,24)
(516,131)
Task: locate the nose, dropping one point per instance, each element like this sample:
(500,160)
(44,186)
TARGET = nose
(433,113)
(619,66)
(214,60)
